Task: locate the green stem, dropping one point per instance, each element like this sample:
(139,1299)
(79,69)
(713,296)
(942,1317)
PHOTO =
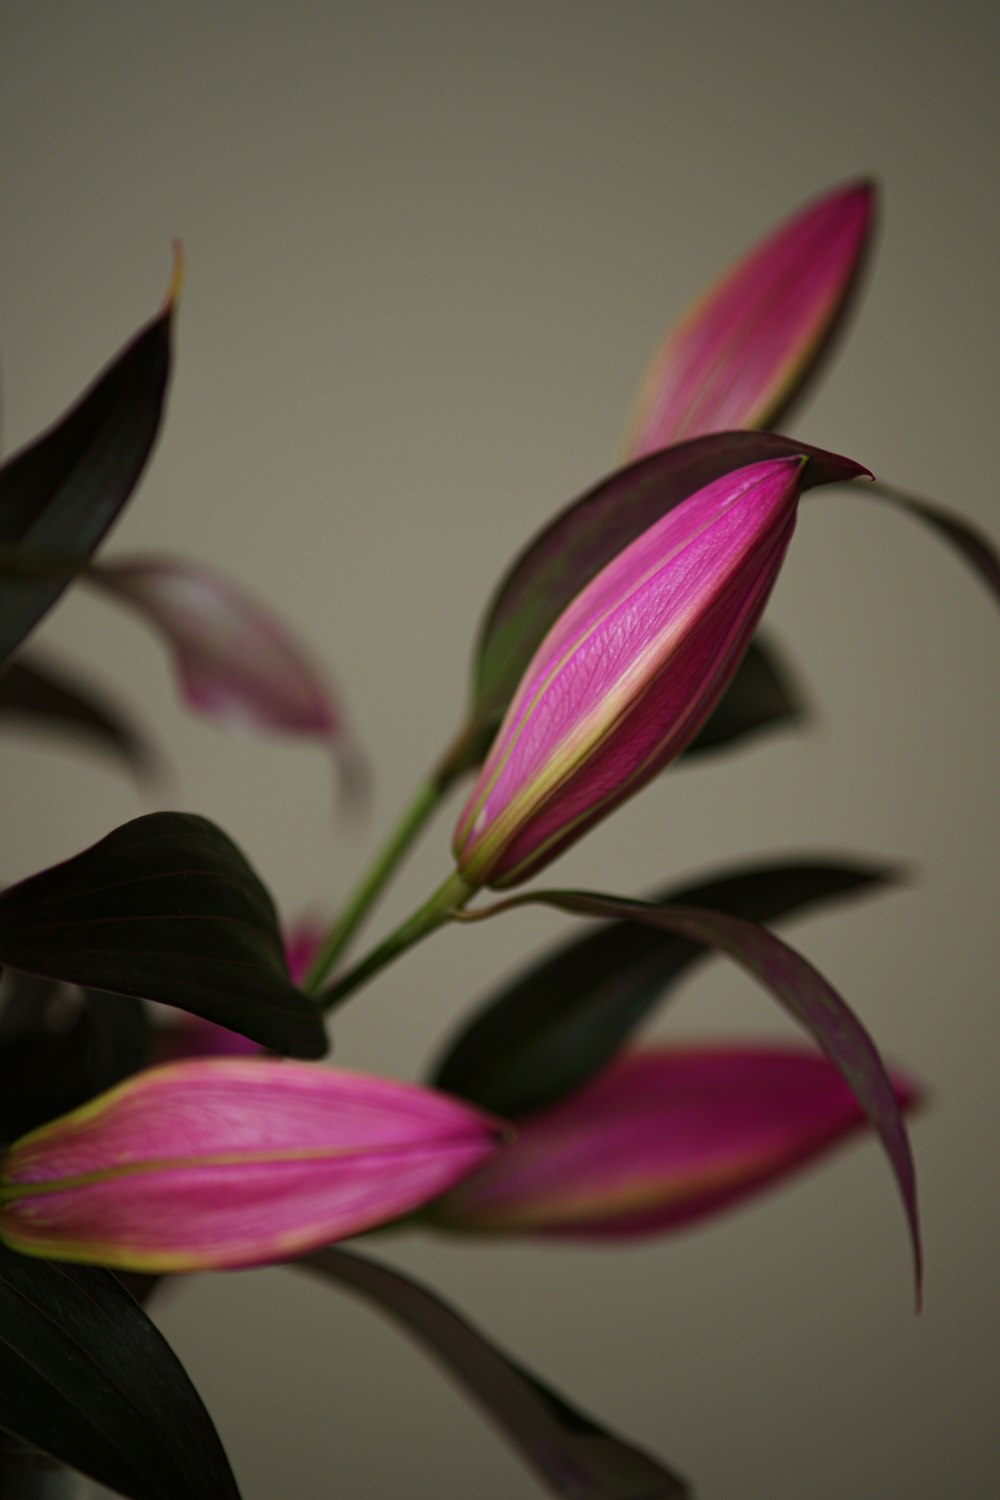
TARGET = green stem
(458,758)
(350,919)
(447,899)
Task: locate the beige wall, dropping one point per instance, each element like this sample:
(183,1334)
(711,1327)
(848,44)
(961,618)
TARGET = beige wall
(430,247)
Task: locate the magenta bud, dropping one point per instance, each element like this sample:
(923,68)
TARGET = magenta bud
(661,1138)
(224,1162)
(629,672)
(744,352)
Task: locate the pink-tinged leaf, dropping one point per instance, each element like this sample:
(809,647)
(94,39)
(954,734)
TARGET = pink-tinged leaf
(574,1457)
(744,352)
(659,1139)
(968,541)
(556,1024)
(225,1162)
(797,986)
(235,661)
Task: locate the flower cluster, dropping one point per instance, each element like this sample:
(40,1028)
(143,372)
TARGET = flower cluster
(624,636)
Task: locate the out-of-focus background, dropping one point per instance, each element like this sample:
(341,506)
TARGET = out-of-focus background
(431,247)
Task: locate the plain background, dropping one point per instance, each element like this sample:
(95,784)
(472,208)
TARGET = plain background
(431,247)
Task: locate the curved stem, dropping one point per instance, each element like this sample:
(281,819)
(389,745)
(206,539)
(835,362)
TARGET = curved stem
(442,907)
(349,920)
(460,756)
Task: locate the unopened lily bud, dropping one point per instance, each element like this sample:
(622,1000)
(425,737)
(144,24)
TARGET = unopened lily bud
(746,349)
(662,1138)
(224,1162)
(629,672)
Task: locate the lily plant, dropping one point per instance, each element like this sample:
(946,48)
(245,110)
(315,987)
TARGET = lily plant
(624,636)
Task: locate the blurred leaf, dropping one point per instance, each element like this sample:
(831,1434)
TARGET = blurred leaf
(968,541)
(62,492)
(60,1046)
(86,1377)
(561,1021)
(165,908)
(588,534)
(572,1456)
(54,698)
(797,986)
(760,696)
(235,661)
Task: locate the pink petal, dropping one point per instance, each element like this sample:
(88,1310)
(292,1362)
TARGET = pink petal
(215,1163)
(743,353)
(660,1139)
(302,944)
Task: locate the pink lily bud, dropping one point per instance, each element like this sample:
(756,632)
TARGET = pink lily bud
(743,353)
(224,1162)
(629,672)
(661,1138)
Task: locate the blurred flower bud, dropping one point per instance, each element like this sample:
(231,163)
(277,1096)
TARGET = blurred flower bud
(660,1138)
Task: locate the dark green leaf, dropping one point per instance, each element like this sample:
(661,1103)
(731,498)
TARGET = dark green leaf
(573,1456)
(51,697)
(86,1377)
(967,540)
(27,1474)
(60,1046)
(166,908)
(560,1022)
(62,492)
(588,534)
(760,696)
(797,986)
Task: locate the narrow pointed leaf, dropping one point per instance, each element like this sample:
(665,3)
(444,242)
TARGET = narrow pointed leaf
(573,1457)
(574,547)
(63,492)
(234,660)
(561,1021)
(50,696)
(798,987)
(86,1377)
(968,541)
(165,908)
(745,351)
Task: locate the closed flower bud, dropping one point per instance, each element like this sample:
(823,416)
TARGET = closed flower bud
(629,672)
(661,1138)
(742,355)
(224,1162)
